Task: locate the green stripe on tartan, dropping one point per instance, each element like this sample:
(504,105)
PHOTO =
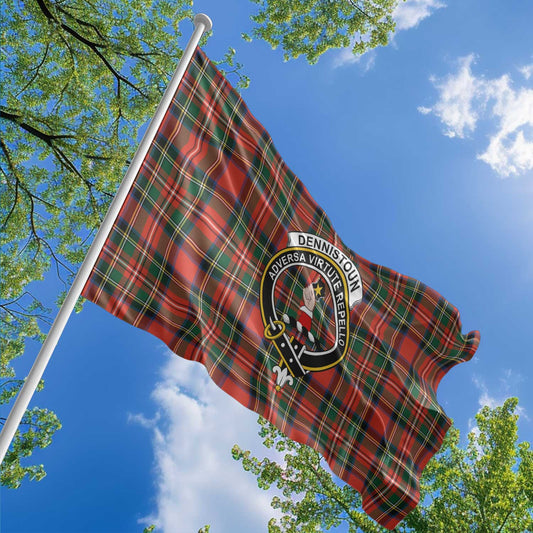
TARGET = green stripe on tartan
(172,200)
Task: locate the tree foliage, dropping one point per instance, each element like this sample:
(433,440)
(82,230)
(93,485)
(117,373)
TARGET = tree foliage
(484,487)
(79,79)
(311,27)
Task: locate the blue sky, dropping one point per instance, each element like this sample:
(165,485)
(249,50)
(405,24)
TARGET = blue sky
(421,153)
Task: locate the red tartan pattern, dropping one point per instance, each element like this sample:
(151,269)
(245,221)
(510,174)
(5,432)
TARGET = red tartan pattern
(212,203)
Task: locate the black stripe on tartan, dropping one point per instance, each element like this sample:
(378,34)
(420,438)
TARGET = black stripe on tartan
(219,332)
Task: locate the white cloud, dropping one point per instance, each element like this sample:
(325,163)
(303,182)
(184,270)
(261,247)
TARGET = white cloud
(197,481)
(346,57)
(143,421)
(424,110)
(465,98)
(509,384)
(527,71)
(458,93)
(509,152)
(410,13)
(407,14)
(485,399)
(510,381)
(496,397)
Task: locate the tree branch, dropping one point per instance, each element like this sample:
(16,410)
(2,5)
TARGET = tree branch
(360,10)
(18,181)
(95,47)
(51,141)
(15,200)
(505,520)
(46,137)
(329,494)
(36,69)
(8,381)
(81,22)
(22,423)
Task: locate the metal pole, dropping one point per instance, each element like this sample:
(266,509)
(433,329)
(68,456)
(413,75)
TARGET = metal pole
(202,23)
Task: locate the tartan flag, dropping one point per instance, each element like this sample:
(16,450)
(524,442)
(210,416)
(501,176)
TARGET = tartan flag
(220,251)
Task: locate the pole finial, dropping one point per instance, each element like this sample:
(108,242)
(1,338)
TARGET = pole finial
(202,18)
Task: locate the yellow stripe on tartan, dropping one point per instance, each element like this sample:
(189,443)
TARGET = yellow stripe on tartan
(207,131)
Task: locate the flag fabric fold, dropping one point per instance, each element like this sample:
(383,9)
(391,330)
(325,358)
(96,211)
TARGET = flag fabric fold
(221,252)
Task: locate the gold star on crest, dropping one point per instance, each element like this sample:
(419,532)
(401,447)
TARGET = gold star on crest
(318,287)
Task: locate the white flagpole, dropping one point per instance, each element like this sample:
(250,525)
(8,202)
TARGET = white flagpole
(202,23)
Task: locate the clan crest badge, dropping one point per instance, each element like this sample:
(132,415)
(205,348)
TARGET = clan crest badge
(331,276)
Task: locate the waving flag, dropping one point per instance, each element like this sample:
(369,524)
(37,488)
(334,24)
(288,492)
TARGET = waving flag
(220,251)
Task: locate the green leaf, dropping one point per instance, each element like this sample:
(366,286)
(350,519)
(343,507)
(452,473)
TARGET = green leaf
(486,486)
